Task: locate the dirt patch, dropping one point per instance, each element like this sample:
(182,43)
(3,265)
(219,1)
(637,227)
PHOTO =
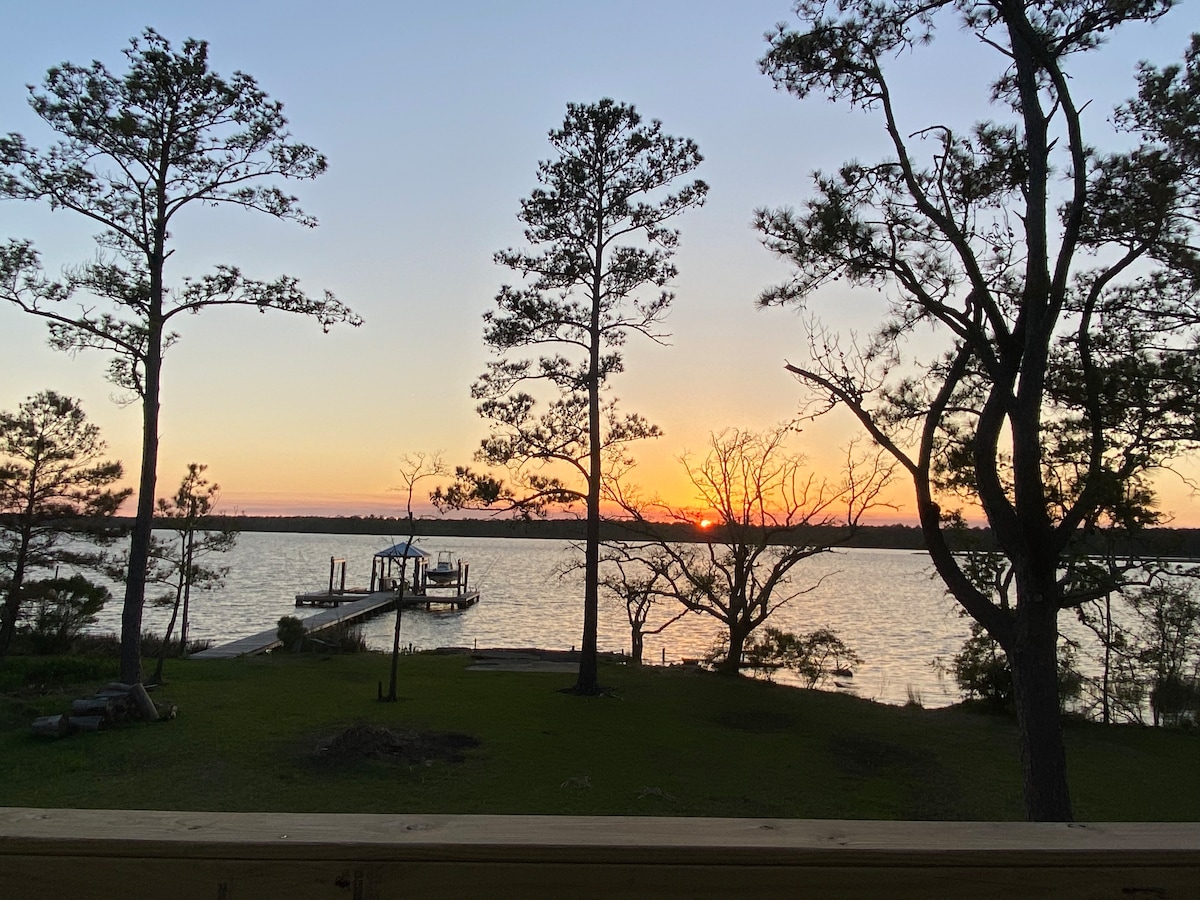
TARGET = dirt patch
(523,665)
(363,740)
(524,660)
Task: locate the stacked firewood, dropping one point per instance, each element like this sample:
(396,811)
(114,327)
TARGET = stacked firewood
(114,704)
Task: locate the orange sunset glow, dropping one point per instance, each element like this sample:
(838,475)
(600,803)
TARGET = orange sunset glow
(424,183)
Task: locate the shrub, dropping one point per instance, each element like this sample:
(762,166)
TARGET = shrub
(913,698)
(1166,649)
(1176,701)
(982,672)
(346,637)
(61,609)
(54,671)
(813,656)
(349,638)
(291,633)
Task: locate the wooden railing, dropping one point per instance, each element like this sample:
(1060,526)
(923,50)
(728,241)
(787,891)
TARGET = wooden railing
(79,854)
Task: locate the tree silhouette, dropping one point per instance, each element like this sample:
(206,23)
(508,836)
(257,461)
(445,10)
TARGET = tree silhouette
(598,232)
(768,515)
(52,470)
(135,151)
(414,467)
(631,573)
(1060,278)
(177,562)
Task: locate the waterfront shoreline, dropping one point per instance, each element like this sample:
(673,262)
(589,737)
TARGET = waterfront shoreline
(1170,544)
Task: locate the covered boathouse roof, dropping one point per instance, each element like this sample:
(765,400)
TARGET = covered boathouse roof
(401,550)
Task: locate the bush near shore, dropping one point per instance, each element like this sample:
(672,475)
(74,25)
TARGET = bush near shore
(306,733)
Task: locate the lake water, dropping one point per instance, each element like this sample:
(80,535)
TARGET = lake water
(885,604)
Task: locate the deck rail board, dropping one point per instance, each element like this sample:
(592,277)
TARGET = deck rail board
(135,854)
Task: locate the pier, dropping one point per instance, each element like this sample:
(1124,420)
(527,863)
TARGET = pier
(347,611)
(343,611)
(445,585)
(459,600)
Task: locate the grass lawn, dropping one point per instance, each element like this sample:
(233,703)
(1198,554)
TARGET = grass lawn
(661,742)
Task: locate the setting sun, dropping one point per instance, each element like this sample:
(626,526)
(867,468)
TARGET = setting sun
(706,523)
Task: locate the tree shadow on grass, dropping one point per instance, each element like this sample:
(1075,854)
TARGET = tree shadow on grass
(931,792)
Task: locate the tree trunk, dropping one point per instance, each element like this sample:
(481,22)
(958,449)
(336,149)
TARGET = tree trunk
(637,645)
(189,574)
(1034,662)
(394,675)
(1108,639)
(8,618)
(395,672)
(732,663)
(588,681)
(139,550)
(151,392)
(12,602)
(156,678)
(143,525)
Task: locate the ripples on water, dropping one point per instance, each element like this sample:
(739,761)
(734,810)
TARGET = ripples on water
(883,603)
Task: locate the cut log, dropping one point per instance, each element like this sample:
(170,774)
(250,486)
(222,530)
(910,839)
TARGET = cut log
(95,706)
(143,704)
(120,706)
(52,726)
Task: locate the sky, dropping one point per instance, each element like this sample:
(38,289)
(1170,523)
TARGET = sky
(433,117)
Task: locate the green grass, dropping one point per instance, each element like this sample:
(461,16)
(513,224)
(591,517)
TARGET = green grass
(661,742)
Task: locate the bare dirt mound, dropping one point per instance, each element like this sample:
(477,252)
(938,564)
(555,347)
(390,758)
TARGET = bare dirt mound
(363,740)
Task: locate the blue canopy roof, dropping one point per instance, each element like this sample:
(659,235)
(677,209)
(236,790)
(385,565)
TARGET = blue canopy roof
(402,549)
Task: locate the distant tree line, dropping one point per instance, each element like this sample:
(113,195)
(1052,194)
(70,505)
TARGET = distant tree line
(1161,543)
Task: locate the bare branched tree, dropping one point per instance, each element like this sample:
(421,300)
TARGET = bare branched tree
(768,513)
(1061,280)
(180,562)
(414,468)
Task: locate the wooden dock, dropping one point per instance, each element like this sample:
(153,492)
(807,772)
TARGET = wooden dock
(352,611)
(327,598)
(429,601)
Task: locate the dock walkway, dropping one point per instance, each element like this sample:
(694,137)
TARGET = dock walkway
(370,605)
(459,600)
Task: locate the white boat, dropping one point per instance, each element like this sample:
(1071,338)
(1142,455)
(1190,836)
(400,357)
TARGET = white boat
(445,570)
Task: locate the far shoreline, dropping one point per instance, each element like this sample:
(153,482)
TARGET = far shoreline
(1162,543)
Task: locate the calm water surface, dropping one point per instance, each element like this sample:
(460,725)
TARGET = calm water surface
(883,603)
